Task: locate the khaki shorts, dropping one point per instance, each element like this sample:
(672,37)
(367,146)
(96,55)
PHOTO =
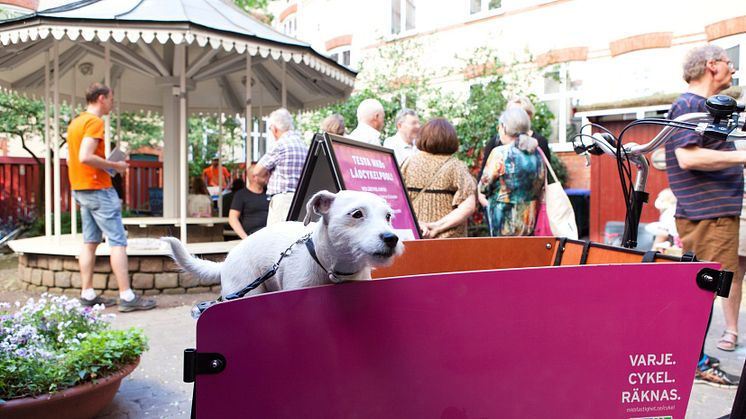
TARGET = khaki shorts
(742,238)
(279,206)
(714,240)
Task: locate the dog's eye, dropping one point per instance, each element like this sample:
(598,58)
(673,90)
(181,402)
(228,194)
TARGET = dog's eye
(388,217)
(357,214)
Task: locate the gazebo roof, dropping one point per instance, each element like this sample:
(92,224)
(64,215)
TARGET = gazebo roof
(143,34)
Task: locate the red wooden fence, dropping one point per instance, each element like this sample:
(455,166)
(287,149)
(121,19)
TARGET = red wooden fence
(22,186)
(607,201)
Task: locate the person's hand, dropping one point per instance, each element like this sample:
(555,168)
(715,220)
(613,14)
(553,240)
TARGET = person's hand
(120,166)
(483,200)
(430,230)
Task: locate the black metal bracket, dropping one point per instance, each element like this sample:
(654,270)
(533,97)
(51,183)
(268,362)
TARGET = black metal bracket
(196,363)
(714,280)
(560,250)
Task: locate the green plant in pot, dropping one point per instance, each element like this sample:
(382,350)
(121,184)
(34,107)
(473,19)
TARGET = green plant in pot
(53,349)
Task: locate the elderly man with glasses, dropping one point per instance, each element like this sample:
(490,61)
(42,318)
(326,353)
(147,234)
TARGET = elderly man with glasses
(706,176)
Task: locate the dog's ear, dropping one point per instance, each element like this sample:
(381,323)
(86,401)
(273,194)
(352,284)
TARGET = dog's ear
(319,204)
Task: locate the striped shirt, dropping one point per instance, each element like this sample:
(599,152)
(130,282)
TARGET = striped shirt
(701,195)
(285,162)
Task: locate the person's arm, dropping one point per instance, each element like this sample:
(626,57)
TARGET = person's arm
(260,171)
(491,143)
(235,223)
(460,214)
(226,177)
(693,157)
(87,155)
(482,199)
(493,169)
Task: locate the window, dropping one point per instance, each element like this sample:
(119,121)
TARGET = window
(478,6)
(289,26)
(402,16)
(558,93)
(734,54)
(341,55)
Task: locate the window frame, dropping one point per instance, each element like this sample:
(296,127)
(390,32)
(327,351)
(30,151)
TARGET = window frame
(290,25)
(484,9)
(403,14)
(338,54)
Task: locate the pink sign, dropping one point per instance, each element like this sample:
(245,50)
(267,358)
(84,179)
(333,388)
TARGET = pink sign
(595,341)
(374,171)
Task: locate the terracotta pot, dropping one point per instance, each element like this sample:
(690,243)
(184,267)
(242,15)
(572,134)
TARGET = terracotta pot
(83,401)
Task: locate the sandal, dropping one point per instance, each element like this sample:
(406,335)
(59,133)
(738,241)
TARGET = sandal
(728,341)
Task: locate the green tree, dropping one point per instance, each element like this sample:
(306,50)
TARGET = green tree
(393,77)
(23,118)
(249,5)
(140,129)
(204,132)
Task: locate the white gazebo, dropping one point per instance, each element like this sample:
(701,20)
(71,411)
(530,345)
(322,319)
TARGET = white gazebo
(175,57)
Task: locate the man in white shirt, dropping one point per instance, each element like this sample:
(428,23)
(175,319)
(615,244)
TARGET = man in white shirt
(407,129)
(369,122)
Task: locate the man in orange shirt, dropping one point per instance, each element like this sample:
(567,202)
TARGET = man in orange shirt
(100,207)
(211,174)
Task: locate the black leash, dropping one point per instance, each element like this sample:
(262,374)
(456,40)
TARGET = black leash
(199,308)
(334,276)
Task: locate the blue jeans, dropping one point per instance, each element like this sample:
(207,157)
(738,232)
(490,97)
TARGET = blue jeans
(101,212)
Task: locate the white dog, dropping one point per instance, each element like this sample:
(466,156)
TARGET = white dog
(353,235)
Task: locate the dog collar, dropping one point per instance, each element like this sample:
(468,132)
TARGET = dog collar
(334,276)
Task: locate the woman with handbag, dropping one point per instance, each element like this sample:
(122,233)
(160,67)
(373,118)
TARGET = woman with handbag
(439,185)
(512,184)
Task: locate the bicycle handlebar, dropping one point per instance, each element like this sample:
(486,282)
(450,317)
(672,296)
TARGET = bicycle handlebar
(721,121)
(703,123)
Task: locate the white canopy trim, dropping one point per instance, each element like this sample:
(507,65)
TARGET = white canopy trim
(177,36)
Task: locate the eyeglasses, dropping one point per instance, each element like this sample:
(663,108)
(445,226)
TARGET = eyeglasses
(729,63)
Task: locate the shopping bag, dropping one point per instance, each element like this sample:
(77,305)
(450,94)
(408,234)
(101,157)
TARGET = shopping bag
(542,227)
(558,207)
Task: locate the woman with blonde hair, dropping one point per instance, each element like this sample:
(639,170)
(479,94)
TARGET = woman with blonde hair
(513,179)
(440,186)
(334,124)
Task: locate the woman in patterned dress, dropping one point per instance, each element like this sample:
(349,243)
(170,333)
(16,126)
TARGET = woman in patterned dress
(440,186)
(513,180)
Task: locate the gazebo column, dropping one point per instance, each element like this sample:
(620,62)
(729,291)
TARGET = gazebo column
(247,113)
(175,165)
(56,143)
(47,154)
(171,151)
(180,57)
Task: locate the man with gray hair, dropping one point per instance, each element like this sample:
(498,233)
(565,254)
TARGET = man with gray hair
(407,129)
(706,176)
(369,122)
(283,164)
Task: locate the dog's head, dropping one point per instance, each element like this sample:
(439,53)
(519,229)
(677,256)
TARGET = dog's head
(358,225)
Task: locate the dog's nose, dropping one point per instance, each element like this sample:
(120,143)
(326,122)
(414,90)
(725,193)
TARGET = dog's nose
(390,239)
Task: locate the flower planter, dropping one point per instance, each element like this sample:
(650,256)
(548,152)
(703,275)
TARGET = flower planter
(80,402)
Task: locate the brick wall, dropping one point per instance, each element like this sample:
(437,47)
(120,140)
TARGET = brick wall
(149,275)
(578,175)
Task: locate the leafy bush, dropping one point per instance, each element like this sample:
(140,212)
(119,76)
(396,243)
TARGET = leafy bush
(37,227)
(55,343)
